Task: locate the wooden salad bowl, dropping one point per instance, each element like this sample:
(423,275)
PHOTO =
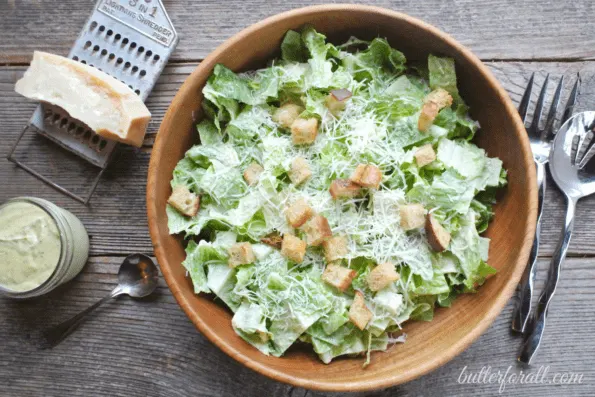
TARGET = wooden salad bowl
(429,344)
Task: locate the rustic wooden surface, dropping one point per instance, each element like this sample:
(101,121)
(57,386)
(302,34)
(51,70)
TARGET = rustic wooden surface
(149,348)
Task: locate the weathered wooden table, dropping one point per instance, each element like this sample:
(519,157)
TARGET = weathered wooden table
(150,348)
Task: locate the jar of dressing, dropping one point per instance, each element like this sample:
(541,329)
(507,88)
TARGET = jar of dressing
(41,247)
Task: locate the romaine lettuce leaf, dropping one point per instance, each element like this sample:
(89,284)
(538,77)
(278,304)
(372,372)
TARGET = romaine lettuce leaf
(442,74)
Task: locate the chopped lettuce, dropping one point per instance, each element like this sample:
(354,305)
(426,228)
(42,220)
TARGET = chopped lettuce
(277,302)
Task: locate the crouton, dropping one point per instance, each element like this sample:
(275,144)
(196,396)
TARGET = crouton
(335,248)
(338,276)
(344,188)
(300,171)
(287,114)
(424,155)
(298,213)
(433,103)
(241,254)
(337,100)
(304,131)
(366,175)
(317,230)
(184,200)
(293,248)
(252,173)
(359,314)
(438,237)
(413,216)
(273,239)
(381,276)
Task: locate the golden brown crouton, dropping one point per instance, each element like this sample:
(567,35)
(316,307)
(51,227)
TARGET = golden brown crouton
(381,276)
(359,314)
(304,131)
(338,276)
(286,114)
(184,200)
(274,240)
(293,248)
(335,248)
(433,103)
(252,173)
(438,237)
(344,188)
(241,254)
(424,155)
(317,230)
(367,175)
(300,171)
(337,100)
(413,216)
(298,213)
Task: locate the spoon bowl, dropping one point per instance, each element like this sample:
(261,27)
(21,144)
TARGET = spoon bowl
(138,276)
(572,150)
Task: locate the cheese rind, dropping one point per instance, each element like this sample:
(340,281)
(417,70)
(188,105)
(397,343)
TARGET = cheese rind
(106,105)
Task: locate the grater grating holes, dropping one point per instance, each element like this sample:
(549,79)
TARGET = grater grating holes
(75,129)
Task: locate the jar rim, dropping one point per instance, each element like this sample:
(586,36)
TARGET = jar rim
(45,206)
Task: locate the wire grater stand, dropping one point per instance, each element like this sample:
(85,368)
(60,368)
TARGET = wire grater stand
(131,40)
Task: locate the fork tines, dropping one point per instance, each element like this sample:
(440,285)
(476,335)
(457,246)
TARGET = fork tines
(548,131)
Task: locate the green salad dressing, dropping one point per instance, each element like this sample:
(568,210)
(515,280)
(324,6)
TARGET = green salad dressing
(30,246)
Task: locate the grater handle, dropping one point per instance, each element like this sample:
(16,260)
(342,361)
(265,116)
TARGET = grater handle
(84,200)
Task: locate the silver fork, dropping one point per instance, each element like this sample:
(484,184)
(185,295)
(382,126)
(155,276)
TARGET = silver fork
(540,140)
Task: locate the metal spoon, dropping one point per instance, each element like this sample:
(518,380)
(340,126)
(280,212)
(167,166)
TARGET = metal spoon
(572,150)
(137,278)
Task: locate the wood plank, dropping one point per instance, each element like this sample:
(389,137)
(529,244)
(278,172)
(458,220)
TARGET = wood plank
(500,29)
(149,347)
(116,218)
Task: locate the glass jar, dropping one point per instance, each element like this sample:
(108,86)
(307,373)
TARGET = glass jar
(74,248)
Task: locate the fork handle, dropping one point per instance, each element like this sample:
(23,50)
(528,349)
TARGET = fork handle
(522,311)
(534,338)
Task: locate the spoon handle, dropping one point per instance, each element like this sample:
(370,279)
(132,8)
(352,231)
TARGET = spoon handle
(58,333)
(522,312)
(534,338)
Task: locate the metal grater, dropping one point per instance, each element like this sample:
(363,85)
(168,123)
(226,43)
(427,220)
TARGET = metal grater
(131,40)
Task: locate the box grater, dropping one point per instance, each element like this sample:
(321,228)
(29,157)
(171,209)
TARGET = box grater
(131,40)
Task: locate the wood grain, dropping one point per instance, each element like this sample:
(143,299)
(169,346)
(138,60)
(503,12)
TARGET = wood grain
(500,29)
(150,348)
(116,218)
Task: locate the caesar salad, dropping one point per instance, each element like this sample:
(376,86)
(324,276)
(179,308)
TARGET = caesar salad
(335,195)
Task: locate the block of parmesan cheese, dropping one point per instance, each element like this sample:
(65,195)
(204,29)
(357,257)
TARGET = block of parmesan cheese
(106,105)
